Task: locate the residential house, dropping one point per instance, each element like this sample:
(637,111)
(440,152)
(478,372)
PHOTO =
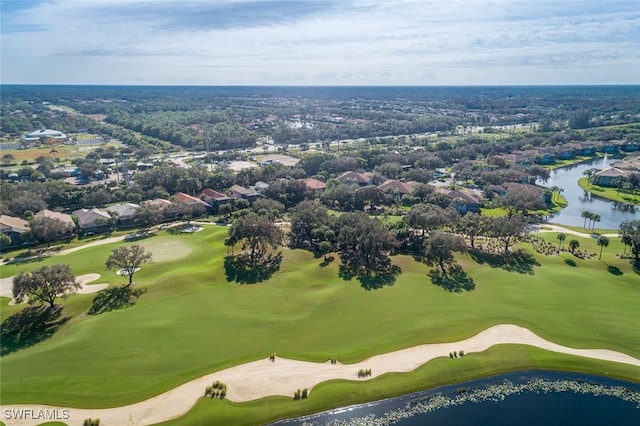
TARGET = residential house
(160,203)
(14,228)
(393,185)
(93,221)
(260,187)
(189,200)
(632,164)
(362,179)
(238,192)
(314,185)
(62,217)
(608,176)
(124,212)
(464,200)
(214,198)
(629,146)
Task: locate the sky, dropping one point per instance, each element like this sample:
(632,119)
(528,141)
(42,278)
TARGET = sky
(323,42)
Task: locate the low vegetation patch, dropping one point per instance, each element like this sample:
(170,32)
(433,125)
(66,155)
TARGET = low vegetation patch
(216,390)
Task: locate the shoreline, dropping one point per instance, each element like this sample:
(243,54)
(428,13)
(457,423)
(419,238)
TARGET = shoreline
(464,386)
(262,378)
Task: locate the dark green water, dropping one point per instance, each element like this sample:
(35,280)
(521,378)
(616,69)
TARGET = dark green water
(525,398)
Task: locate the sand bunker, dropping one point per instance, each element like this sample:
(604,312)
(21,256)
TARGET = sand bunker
(6,286)
(262,378)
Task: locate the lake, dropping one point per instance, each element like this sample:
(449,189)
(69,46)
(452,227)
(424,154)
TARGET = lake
(611,213)
(542,398)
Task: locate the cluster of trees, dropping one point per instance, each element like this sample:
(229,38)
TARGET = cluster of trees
(592,217)
(46,284)
(630,236)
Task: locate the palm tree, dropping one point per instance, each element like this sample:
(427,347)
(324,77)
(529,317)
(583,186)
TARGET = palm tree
(590,174)
(602,242)
(627,241)
(573,245)
(595,217)
(561,237)
(586,215)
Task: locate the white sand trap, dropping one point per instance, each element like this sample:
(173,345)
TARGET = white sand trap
(262,378)
(6,286)
(87,288)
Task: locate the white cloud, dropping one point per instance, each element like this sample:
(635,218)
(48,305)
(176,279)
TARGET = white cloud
(321,42)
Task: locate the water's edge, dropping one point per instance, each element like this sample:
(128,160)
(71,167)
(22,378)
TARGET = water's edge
(497,389)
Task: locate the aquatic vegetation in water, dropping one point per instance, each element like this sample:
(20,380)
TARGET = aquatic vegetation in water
(494,392)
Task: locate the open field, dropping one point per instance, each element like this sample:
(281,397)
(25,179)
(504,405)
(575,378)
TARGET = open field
(192,322)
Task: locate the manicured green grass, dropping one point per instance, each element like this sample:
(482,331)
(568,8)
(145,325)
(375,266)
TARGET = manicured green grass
(595,231)
(558,202)
(608,193)
(564,163)
(192,322)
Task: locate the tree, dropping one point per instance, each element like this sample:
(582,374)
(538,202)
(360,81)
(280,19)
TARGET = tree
(428,217)
(45,284)
(630,235)
(595,218)
(590,174)
(339,197)
(5,240)
(440,246)
(368,195)
(257,234)
(306,218)
(47,229)
(520,200)
(226,209)
(364,243)
(507,230)
(561,237)
(128,260)
(8,158)
(602,242)
(580,119)
(586,215)
(573,245)
(147,216)
(472,225)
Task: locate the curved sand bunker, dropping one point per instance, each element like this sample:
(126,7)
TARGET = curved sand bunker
(263,378)
(6,286)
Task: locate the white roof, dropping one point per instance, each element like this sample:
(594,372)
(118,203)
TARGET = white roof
(46,133)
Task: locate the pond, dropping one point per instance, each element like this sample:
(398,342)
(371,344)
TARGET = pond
(611,213)
(533,398)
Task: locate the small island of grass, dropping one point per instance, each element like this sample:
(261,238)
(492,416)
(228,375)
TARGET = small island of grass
(613,194)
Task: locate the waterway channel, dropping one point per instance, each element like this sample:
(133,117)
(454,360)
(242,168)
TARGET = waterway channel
(611,213)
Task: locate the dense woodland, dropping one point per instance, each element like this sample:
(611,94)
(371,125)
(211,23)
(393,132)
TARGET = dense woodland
(159,117)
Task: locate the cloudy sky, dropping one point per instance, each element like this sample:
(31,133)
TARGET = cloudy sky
(323,42)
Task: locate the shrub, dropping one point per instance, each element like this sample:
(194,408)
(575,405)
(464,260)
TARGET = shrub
(216,390)
(304,394)
(296,395)
(461,353)
(91,422)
